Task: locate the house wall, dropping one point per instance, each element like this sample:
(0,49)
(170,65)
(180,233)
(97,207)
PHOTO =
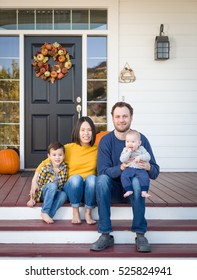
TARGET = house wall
(164,95)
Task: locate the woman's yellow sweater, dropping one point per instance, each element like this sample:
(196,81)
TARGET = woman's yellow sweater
(81,160)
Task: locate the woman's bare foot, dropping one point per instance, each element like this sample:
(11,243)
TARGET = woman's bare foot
(76,216)
(47,218)
(145,194)
(88,217)
(128,194)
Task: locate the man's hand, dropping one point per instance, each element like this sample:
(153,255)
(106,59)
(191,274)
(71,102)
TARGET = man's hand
(144,165)
(123,166)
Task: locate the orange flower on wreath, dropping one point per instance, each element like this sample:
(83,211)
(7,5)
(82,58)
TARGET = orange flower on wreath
(47,72)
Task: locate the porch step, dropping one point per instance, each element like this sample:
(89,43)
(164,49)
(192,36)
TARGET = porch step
(37,231)
(83,251)
(118,211)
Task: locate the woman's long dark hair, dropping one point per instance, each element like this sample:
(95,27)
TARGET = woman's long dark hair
(76,129)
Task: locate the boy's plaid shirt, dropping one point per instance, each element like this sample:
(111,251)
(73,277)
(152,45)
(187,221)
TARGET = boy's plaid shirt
(47,176)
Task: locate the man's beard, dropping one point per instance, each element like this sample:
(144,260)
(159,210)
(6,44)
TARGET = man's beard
(123,130)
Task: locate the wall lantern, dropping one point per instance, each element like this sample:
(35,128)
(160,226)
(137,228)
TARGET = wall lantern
(162,46)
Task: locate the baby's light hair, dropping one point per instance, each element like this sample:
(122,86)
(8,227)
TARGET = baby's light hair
(134,133)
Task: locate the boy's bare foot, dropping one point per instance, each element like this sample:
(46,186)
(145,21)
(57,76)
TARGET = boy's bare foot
(128,194)
(76,216)
(145,194)
(47,218)
(88,217)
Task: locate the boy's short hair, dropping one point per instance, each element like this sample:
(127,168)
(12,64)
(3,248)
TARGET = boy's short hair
(55,146)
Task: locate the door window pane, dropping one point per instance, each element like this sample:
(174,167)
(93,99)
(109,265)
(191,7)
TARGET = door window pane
(98,19)
(97,112)
(58,19)
(8,19)
(97,47)
(44,19)
(9,68)
(97,80)
(80,19)
(62,20)
(26,19)
(9,47)
(97,91)
(9,135)
(9,112)
(97,69)
(9,92)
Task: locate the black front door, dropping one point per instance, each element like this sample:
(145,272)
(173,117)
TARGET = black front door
(50,109)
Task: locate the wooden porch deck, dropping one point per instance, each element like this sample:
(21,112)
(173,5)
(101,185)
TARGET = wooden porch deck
(169,190)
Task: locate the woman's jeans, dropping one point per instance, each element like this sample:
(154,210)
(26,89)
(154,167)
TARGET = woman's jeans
(78,189)
(52,199)
(109,190)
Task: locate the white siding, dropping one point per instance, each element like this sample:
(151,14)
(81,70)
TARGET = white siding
(164,95)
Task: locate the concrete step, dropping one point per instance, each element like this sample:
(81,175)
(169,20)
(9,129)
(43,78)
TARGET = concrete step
(37,231)
(118,212)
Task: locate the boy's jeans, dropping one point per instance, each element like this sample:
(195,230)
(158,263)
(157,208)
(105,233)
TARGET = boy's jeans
(52,199)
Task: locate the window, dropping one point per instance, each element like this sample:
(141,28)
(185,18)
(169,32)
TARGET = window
(49,19)
(97,80)
(8,19)
(9,92)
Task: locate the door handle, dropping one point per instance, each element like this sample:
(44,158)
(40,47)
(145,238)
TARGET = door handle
(78,108)
(78,99)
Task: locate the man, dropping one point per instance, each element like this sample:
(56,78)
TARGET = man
(108,186)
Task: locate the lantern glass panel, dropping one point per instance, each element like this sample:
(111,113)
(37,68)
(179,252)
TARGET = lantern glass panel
(161,48)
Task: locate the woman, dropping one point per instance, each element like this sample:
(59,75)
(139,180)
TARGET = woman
(81,157)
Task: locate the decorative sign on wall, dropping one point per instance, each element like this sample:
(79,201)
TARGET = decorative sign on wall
(49,72)
(127,75)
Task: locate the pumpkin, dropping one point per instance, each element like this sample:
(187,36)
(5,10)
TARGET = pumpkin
(99,136)
(9,161)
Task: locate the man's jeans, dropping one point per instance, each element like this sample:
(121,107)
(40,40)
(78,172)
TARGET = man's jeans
(78,189)
(108,190)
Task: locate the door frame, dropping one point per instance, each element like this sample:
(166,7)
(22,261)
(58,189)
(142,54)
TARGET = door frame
(50,108)
(113,56)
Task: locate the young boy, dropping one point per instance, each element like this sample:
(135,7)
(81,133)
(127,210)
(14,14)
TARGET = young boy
(132,154)
(51,180)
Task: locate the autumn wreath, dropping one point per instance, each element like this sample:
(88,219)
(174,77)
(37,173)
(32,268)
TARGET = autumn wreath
(59,70)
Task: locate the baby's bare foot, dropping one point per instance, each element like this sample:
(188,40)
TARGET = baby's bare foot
(128,194)
(47,218)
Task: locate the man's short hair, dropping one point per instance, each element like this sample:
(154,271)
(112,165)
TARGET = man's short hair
(122,104)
